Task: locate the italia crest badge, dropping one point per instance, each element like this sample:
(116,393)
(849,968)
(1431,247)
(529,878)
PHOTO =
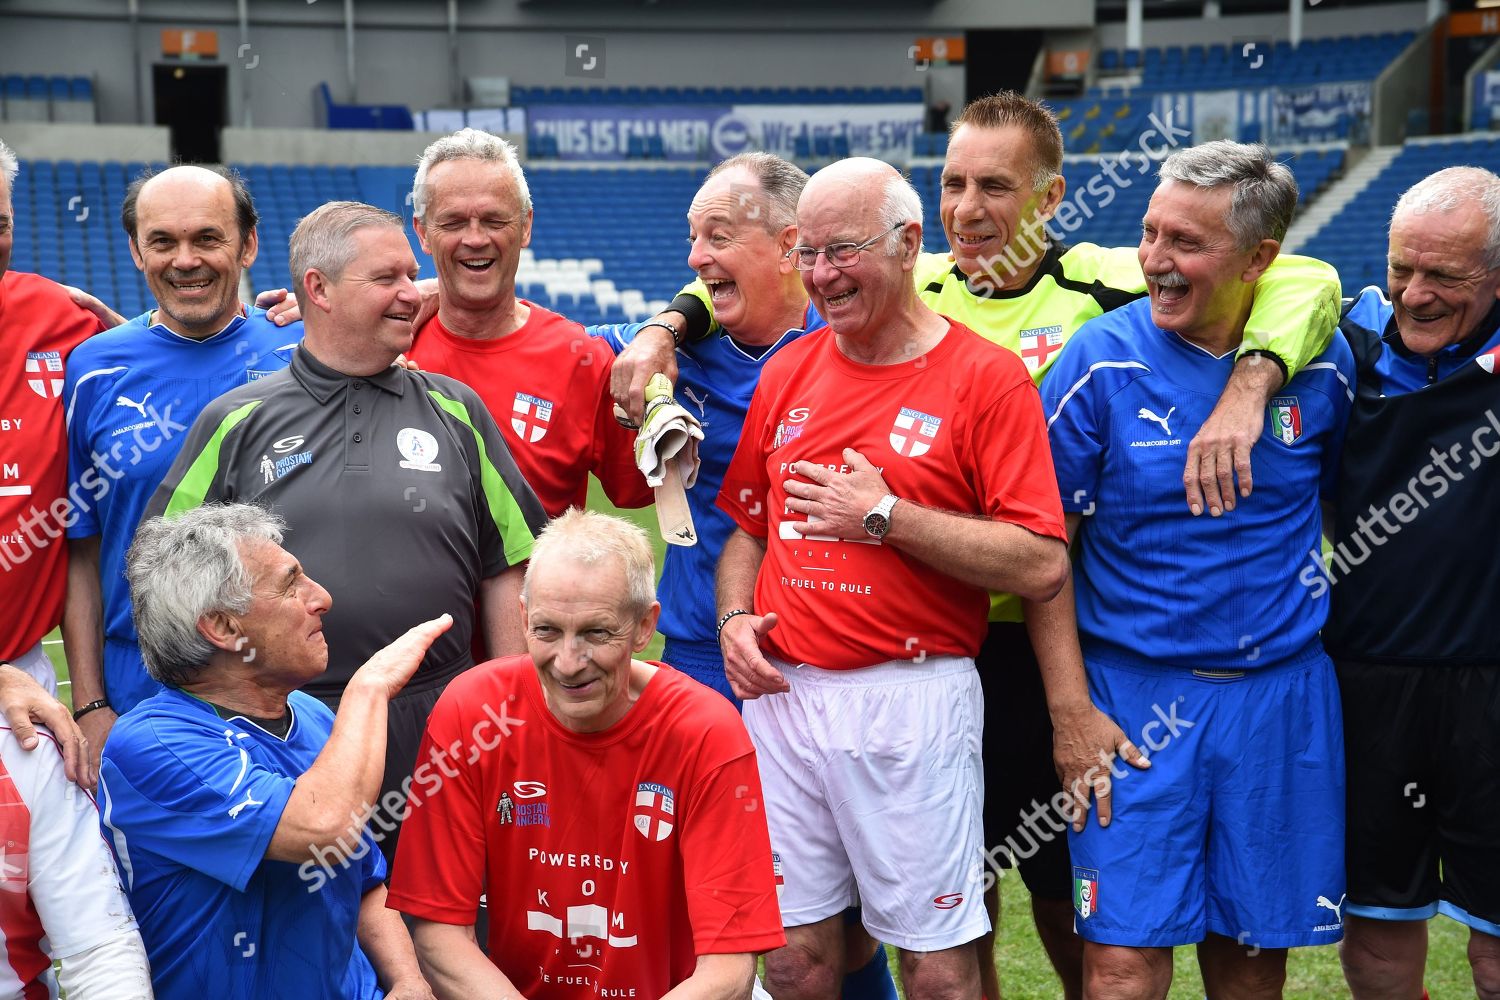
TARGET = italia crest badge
(1085,892)
(1286,419)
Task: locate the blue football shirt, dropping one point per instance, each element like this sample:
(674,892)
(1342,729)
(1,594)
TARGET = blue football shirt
(1156,586)
(1399,370)
(131,395)
(716,378)
(189,803)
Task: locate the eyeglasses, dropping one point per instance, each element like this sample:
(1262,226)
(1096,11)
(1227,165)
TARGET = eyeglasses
(838,254)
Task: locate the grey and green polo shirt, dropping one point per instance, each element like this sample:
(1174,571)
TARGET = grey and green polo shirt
(398,492)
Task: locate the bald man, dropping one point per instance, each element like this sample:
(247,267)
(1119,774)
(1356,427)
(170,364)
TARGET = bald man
(131,394)
(893,469)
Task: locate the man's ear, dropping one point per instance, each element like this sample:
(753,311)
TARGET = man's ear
(315,286)
(222,631)
(419,226)
(1051,198)
(784,244)
(646,627)
(1260,259)
(249,249)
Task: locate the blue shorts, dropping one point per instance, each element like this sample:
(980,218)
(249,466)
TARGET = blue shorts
(702,661)
(1237,829)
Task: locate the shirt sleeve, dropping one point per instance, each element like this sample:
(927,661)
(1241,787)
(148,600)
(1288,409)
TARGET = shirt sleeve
(514,514)
(616,336)
(727,866)
(614,453)
(439,870)
(1069,401)
(744,495)
(70,875)
(187,793)
(201,471)
(86,483)
(1013,466)
(1294,313)
(1340,392)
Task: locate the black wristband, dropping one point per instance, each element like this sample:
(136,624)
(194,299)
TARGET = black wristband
(725,620)
(91,706)
(699,322)
(676,333)
(1261,352)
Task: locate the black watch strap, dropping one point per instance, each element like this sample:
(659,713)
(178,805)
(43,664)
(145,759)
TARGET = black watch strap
(90,707)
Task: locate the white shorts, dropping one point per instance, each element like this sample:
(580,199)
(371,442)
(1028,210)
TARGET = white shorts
(38,664)
(873,786)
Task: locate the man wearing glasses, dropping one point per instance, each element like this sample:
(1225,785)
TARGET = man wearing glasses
(892,470)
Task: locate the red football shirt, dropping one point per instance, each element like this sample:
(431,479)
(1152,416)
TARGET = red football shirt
(547,386)
(612,860)
(958,429)
(39,326)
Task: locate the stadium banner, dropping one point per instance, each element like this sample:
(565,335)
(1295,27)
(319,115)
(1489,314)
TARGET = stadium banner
(1323,112)
(717,132)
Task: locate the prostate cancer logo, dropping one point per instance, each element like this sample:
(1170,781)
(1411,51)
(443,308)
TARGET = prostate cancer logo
(418,449)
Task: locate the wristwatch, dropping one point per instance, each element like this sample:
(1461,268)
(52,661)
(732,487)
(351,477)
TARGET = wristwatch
(878,520)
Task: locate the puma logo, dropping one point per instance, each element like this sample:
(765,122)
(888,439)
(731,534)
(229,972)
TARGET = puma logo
(140,407)
(1325,903)
(1146,414)
(250,800)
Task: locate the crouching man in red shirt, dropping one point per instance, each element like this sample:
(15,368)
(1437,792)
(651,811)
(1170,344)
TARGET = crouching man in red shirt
(610,807)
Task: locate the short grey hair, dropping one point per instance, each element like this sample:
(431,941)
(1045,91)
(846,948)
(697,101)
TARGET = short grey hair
(781,181)
(1265,192)
(324,238)
(9,165)
(902,204)
(590,537)
(468,144)
(1452,188)
(183,568)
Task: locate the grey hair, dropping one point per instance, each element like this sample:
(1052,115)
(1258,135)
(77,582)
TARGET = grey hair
(1451,188)
(9,165)
(781,182)
(1265,192)
(468,144)
(323,238)
(183,568)
(590,537)
(902,204)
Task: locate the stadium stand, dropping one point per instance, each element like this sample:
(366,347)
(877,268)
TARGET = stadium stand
(715,95)
(607,246)
(1215,67)
(38,98)
(1354,241)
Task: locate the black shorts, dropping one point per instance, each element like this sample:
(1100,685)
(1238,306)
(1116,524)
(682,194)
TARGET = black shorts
(1422,746)
(406,722)
(1018,774)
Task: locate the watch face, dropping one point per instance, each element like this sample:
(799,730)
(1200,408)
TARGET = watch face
(876,523)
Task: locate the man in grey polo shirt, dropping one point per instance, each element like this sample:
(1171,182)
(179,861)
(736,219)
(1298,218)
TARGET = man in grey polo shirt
(396,486)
